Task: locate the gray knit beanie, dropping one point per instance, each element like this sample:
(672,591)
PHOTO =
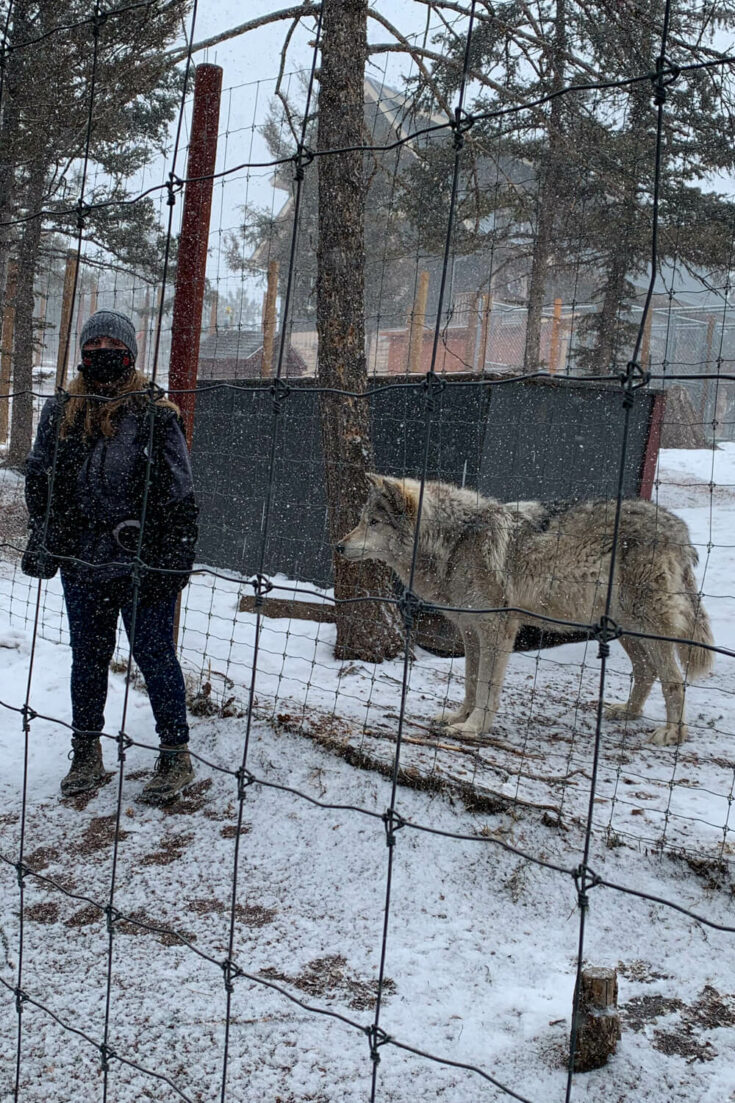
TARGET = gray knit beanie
(110,323)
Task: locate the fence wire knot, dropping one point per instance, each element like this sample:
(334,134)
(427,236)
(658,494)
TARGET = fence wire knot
(633,378)
(20,998)
(377,1037)
(392,823)
(244,780)
(262,585)
(112,915)
(584,879)
(123,743)
(303,157)
(433,385)
(28,714)
(83,209)
(409,606)
(98,19)
(174,184)
(604,632)
(460,125)
(21,869)
(106,1052)
(279,391)
(660,82)
(231,972)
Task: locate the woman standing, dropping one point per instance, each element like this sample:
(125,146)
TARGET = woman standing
(110,497)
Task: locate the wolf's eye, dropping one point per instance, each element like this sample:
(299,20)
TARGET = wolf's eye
(373,521)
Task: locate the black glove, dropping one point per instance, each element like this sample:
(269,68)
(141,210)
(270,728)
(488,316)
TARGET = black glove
(37,562)
(175,557)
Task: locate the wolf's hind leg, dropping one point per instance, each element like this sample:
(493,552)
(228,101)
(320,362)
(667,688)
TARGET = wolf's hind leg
(495,645)
(471,661)
(672,683)
(644,675)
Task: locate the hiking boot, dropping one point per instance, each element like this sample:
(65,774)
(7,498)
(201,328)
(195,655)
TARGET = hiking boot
(87,769)
(173,773)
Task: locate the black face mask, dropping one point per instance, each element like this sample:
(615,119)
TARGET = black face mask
(106,365)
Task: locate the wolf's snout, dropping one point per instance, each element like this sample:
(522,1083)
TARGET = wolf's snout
(340,549)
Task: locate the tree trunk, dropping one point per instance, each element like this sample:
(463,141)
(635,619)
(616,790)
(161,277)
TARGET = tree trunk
(611,330)
(368,631)
(548,199)
(20,29)
(21,426)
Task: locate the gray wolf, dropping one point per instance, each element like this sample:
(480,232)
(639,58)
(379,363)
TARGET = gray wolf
(554,560)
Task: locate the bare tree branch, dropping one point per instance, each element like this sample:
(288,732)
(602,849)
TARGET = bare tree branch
(295,12)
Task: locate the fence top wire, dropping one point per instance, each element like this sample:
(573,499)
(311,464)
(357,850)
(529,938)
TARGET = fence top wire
(469,119)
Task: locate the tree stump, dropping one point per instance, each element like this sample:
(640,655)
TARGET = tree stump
(598,1022)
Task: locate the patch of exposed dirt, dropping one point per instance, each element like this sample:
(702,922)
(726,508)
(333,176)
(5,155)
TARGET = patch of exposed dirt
(99,834)
(191,800)
(142,926)
(137,775)
(170,849)
(675,1043)
(229,831)
(45,911)
(84,917)
(640,971)
(684,1038)
(642,1010)
(41,857)
(713,872)
(252,915)
(329,975)
(80,801)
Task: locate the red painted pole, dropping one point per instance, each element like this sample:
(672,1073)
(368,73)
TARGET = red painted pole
(653,443)
(192,255)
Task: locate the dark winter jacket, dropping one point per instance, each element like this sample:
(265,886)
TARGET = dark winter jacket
(98,490)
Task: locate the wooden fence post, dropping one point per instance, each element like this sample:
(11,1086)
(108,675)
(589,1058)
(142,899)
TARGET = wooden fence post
(41,345)
(646,344)
(6,352)
(418,322)
(486,312)
(213,310)
(269,321)
(598,1022)
(67,305)
(555,338)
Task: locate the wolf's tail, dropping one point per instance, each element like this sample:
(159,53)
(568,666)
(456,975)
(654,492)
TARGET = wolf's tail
(696,661)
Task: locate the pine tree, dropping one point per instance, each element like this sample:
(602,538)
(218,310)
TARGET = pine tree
(47,108)
(572,203)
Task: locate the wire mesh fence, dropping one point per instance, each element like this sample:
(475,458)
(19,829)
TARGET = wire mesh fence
(576,801)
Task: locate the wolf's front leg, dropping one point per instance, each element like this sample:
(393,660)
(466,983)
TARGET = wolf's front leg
(471,663)
(495,639)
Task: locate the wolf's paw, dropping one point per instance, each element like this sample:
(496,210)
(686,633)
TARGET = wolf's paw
(444,716)
(477,724)
(668,735)
(619,711)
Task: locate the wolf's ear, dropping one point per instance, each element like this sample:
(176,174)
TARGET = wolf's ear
(373,479)
(400,498)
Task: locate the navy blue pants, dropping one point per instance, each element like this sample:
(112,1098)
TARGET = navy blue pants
(93,609)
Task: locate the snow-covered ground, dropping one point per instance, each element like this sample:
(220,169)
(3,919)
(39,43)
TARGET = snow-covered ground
(481,943)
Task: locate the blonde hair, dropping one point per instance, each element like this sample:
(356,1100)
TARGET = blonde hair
(100,416)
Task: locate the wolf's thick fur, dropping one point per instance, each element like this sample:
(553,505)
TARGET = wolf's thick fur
(478,553)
